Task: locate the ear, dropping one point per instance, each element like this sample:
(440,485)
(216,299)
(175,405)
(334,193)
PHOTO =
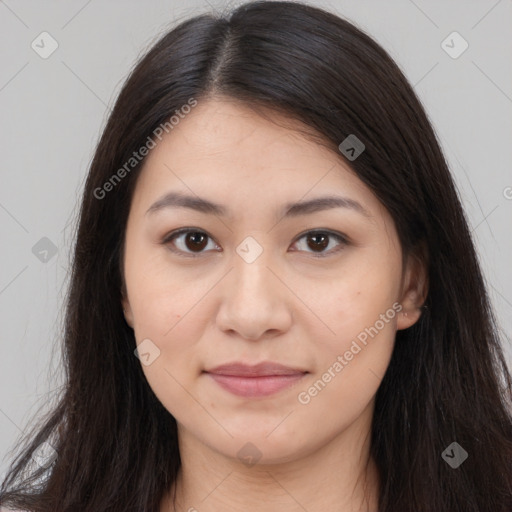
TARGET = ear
(414,289)
(127,310)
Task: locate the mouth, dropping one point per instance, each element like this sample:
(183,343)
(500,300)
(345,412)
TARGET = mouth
(261,380)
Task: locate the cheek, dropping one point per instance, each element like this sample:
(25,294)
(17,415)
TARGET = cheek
(351,363)
(162,303)
(360,308)
(163,309)
(364,290)
(158,292)
(168,315)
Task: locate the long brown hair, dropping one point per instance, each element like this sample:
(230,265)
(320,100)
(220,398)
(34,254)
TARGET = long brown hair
(447,381)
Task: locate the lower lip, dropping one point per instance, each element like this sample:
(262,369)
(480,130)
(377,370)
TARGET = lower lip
(256,386)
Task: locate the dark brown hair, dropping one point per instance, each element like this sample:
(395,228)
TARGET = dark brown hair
(447,380)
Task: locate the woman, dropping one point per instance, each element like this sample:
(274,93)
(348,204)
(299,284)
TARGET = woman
(275,301)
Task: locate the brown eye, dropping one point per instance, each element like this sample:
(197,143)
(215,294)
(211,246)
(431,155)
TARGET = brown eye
(189,242)
(195,241)
(318,241)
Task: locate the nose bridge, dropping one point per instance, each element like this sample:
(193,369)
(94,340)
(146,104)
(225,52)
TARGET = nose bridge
(253,300)
(252,279)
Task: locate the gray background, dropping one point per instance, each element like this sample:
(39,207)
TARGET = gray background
(54,109)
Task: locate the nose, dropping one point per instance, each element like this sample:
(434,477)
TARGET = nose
(255,304)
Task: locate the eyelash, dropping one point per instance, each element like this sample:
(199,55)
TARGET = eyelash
(174,234)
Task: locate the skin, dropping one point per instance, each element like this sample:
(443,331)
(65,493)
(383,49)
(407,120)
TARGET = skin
(287,306)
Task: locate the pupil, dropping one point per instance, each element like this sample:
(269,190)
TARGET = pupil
(323,244)
(197,243)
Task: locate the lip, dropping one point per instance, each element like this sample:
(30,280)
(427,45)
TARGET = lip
(260,380)
(265,368)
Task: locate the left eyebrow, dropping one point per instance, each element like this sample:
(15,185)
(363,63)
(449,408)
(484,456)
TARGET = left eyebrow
(179,200)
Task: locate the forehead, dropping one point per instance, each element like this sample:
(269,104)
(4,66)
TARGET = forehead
(226,151)
(227,128)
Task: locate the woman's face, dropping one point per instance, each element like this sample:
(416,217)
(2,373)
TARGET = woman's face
(250,283)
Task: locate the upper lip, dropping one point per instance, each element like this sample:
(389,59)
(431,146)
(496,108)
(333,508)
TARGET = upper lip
(258,370)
